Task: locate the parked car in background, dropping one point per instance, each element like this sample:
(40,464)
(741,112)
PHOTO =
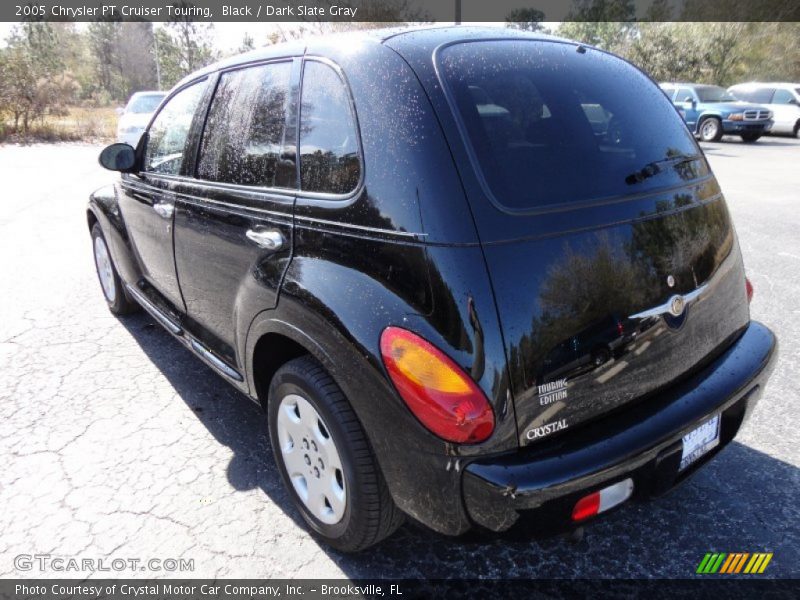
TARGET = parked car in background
(384,263)
(783,99)
(136,115)
(711,112)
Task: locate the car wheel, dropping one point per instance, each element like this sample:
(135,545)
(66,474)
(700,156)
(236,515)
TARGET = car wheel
(113,291)
(796,130)
(600,356)
(710,130)
(325,459)
(750,137)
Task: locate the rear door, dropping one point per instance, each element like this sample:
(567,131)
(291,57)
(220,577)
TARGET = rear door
(147,199)
(233,220)
(614,264)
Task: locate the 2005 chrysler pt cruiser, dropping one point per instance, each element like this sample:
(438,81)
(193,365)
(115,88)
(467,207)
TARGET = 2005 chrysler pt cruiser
(469,274)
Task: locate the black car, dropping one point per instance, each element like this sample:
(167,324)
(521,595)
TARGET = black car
(380,237)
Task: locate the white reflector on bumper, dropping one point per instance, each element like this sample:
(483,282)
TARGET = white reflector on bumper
(615,494)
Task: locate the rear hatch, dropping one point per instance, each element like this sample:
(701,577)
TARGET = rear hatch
(611,252)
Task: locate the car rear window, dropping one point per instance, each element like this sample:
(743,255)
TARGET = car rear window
(550,123)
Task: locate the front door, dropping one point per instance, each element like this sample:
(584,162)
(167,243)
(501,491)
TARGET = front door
(147,199)
(686,99)
(786,111)
(234,217)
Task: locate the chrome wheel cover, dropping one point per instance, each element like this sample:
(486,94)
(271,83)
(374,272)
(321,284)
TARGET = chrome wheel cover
(105,271)
(311,459)
(709,129)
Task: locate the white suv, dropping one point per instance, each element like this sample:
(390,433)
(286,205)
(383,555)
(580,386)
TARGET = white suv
(783,99)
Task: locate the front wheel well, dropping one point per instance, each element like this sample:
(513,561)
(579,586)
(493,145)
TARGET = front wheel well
(271,352)
(91,219)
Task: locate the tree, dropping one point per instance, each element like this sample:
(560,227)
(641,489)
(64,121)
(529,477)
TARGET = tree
(247,44)
(183,47)
(35,80)
(525,19)
(601,23)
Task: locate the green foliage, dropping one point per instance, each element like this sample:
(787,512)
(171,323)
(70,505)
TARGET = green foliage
(703,52)
(183,46)
(525,19)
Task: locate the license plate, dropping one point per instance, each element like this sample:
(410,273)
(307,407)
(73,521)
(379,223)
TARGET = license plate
(700,441)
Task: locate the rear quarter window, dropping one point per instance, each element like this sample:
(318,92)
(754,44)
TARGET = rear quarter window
(547,125)
(329,147)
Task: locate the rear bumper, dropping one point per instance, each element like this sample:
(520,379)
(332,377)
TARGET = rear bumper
(644,443)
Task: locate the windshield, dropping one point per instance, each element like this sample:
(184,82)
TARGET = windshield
(712,93)
(144,104)
(548,124)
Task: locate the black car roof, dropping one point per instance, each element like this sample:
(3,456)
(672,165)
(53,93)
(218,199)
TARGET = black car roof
(403,38)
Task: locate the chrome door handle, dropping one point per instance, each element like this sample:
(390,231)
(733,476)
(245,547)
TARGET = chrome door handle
(271,239)
(164,209)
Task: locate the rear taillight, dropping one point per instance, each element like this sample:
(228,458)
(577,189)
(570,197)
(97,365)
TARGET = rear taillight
(749,287)
(620,328)
(439,393)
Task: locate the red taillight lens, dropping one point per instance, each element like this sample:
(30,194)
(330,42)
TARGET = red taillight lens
(586,507)
(620,328)
(749,287)
(444,398)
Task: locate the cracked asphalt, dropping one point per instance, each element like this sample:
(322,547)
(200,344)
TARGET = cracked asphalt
(115,442)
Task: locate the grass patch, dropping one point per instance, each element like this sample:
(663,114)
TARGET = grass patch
(79,124)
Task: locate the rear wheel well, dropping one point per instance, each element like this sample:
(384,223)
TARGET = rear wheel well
(272,351)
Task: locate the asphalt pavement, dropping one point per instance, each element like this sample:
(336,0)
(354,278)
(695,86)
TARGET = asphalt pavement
(115,442)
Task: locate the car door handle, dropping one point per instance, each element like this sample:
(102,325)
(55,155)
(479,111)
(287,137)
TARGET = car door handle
(271,239)
(164,209)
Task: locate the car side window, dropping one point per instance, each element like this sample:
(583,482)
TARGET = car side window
(783,97)
(762,95)
(329,160)
(169,131)
(682,94)
(244,137)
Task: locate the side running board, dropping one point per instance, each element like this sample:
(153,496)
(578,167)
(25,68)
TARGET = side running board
(199,349)
(157,314)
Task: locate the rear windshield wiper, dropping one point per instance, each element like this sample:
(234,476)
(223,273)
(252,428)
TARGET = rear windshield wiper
(657,166)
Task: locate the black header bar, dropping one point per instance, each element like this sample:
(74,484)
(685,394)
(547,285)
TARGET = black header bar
(400,11)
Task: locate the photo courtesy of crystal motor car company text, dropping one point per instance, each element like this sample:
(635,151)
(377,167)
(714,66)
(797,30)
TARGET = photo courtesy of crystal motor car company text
(500,279)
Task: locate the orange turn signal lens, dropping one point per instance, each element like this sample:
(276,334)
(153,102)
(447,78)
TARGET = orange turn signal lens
(439,393)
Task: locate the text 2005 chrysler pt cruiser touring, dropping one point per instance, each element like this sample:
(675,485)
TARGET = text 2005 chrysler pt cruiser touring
(469,274)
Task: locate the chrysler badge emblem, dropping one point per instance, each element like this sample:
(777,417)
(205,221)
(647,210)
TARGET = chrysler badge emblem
(676,306)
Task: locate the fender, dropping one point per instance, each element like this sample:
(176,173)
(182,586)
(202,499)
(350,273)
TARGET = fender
(104,208)
(705,115)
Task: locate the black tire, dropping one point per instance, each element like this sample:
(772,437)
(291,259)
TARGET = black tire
(796,130)
(120,303)
(600,356)
(710,129)
(370,514)
(749,138)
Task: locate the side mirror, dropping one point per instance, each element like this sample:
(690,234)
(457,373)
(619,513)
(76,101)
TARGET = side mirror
(120,111)
(118,157)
